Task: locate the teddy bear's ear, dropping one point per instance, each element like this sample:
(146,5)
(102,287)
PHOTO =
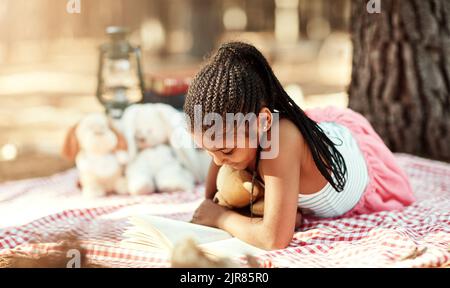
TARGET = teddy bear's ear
(257,191)
(218,198)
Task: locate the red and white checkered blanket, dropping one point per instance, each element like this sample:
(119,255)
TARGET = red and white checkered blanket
(37,212)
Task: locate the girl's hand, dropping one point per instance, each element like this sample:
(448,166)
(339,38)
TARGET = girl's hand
(209,213)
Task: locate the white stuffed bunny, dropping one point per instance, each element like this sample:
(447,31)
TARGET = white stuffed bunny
(100,154)
(157,161)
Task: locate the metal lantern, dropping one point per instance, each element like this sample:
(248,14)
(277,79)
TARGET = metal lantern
(120,77)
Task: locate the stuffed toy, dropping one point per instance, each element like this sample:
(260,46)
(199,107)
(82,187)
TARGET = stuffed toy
(158,161)
(156,169)
(187,254)
(234,188)
(99,152)
(56,256)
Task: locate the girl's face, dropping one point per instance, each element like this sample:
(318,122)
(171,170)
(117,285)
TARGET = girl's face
(240,150)
(237,157)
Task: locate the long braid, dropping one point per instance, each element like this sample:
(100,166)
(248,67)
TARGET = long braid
(239,79)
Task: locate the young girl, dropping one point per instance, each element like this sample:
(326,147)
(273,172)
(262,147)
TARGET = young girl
(330,162)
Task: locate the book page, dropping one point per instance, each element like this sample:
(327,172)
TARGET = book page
(170,232)
(133,237)
(230,248)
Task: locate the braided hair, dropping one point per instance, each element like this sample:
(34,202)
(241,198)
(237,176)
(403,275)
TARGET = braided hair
(238,79)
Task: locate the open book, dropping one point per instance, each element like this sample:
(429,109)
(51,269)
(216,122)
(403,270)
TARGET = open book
(159,234)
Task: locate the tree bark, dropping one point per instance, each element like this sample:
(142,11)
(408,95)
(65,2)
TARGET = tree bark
(401,73)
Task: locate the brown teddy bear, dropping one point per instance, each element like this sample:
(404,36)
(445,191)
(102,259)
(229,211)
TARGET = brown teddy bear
(234,189)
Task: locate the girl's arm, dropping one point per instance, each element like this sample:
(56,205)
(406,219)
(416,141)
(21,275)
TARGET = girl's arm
(210,184)
(281,176)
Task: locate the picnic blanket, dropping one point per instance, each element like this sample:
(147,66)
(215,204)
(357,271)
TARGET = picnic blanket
(35,213)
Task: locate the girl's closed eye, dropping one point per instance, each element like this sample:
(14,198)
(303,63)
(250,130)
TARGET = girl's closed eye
(228,151)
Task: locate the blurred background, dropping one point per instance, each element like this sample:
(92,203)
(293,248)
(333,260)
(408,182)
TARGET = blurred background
(49,59)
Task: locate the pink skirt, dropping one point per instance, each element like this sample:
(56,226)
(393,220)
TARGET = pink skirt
(388,187)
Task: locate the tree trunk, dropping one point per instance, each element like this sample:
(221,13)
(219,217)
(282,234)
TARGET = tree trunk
(401,73)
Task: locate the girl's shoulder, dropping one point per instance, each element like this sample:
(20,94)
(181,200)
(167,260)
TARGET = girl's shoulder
(289,149)
(289,132)
(287,140)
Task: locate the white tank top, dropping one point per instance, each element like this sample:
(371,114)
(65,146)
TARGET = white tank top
(328,202)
